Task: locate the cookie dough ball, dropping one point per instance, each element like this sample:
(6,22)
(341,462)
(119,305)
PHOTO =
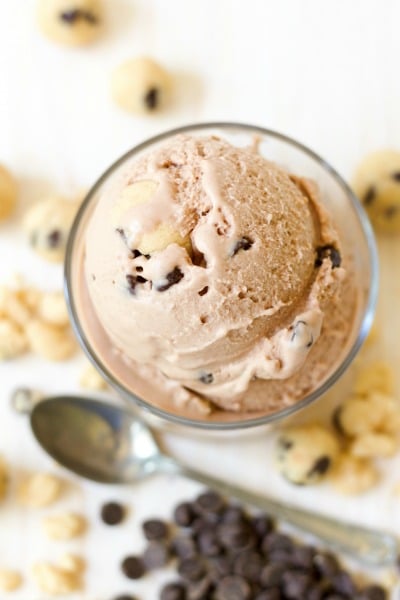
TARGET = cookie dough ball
(47,225)
(305,454)
(140,86)
(70,22)
(8,193)
(377,184)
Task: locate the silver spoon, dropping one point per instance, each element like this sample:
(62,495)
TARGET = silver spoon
(109,444)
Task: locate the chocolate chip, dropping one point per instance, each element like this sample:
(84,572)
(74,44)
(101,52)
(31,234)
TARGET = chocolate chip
(272,594)
(151,99)
(303,557)
(262,524)
(136,253)
(276,541)
(172,278)
(330,252)
(233,514)
(184,514)
(396,176)
(244,243)
(369,196)
(133,567)
(156,555)
(372,592)
(199,590)
(173,591)
(233,587)
(112,513)
(207,543)
(73,16)
(206,378)
(133,281)
(320,467)
(203,291)
(184,547)
(326,564)
(54,238)
(155,529)
(316,592)
(249,565)
(391,211)
(343,584)
(271,575)
(191,569)
(209,502)
(236,536)
(220,566)
(140,279)
(139,269)
(295,585)
(126,597)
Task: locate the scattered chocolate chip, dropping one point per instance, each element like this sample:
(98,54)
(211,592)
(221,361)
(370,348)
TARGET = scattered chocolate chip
(173,591)
(271,575)
(203,291)
(54,238)
(276,541)
(155,529)
(330,252)
(156,555)
(320,467)
(316,592)
(208,543)
(271,594)
(220,566)
(369,196)
(206,378)
(236,536)
(343,584)
(249,565)
(112,513)
(303,557)
(396,176)
(136,253)
(184,547)
(244,243)
(326,564)
(151,99)
(191,569)
(184,514)
(133,567)
(209,502)
(172,278)
(233,587)
(262,524)
(73,16)
(295,584)
(233,514)
(199,590)
(372,592)
(391,211)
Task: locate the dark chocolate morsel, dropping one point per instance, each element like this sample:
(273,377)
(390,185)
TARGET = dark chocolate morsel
(369,196)
(131,281)
(372,592)
(271,594)
(184,547)
(140,279)
(172,278)
(249,565)
(209,502)
(244,243)
(320,467)
(342,583)
(155,529)
(206,378)
(151,98)
(262,524)
(133,567)
(192,569)
(233,587)
(112,513)
(203,291)
(136,253)
(272,574)
(326,564)
(184,514)
(396,176)
(295,584)
(156,555)
(173,591)
(73,16)
(330,252)
(54,238)
(199,590)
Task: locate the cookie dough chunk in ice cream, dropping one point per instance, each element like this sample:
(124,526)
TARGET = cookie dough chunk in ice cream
(212,268)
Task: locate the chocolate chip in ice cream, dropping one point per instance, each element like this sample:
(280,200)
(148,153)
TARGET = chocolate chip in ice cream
(244,243)
(133,281)
(206,378)
(151,98)
(75,15)
(330,252)
(172,278)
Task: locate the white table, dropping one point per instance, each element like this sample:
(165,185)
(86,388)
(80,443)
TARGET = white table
(323,72)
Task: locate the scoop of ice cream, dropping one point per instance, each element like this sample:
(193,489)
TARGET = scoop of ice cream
(211,264)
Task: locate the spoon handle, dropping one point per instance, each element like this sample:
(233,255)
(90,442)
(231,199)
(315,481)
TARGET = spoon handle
(373,547)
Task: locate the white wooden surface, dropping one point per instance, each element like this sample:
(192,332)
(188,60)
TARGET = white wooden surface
(326,73)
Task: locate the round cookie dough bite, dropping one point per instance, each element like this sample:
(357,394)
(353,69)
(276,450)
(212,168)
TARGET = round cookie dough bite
(70,22)
(47,224)
(8,193)
(141,86)
(377,184)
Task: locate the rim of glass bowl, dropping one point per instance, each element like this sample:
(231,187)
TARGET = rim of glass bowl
(245,422)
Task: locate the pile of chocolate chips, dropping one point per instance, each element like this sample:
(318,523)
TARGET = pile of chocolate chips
(224,553)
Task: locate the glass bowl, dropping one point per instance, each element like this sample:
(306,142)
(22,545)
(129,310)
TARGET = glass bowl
(357,240)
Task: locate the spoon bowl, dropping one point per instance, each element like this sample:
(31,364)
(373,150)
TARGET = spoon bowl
(109,444)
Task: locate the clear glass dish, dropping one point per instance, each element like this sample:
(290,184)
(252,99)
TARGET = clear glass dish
(354,229)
